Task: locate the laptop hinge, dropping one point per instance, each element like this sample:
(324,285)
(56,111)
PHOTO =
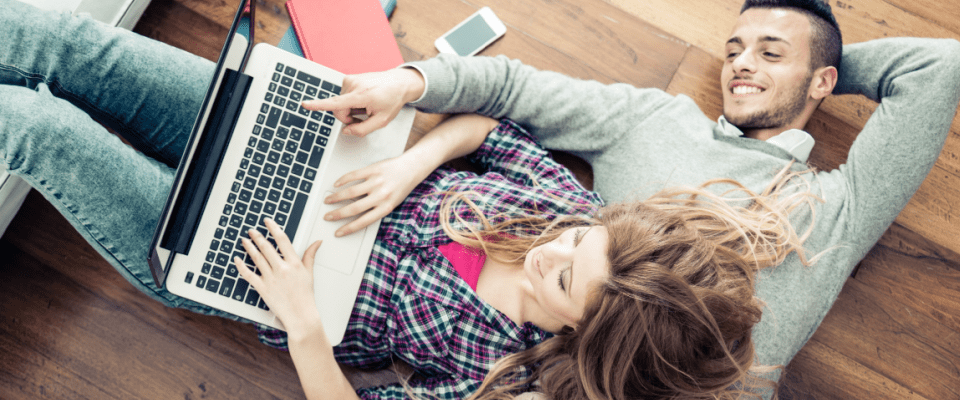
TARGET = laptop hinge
(202,173)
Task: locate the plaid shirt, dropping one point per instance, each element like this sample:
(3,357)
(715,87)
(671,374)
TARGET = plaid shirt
(413,305)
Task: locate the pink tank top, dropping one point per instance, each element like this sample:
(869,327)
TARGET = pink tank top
(466,261)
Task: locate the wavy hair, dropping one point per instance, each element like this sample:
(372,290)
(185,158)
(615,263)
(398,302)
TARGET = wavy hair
(674,318)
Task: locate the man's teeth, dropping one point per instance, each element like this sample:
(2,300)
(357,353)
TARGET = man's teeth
(746,90)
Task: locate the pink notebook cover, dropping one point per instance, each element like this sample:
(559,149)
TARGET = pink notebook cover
(350,36)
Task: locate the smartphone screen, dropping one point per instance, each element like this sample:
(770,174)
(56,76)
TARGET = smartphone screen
(470,36)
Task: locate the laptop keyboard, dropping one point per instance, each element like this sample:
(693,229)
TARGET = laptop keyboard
(278,170)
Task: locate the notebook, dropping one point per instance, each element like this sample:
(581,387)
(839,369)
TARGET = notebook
(256,153)
(323,26)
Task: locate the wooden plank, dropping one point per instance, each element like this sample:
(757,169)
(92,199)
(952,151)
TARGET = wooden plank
(819,372)
(588,40)
(89,337)
(197,34)
(875,330)
(904,241)
(943,13)
(924,282)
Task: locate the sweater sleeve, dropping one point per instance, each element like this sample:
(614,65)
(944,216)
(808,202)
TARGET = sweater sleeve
(917,82)
(564,113)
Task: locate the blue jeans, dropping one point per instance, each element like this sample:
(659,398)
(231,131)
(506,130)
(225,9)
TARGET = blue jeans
(59,75)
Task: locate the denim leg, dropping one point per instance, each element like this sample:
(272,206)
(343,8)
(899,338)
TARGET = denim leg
(112,194)
(56,72)
(145,90)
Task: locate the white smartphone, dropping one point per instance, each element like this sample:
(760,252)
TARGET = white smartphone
(472,35)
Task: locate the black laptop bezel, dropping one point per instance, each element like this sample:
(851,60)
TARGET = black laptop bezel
(158,268)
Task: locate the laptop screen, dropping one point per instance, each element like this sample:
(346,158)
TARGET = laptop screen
(181,213)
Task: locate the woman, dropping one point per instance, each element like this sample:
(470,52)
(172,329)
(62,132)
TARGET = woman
(651,298)
(636,300)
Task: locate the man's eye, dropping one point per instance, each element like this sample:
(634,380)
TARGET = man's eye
(771,55)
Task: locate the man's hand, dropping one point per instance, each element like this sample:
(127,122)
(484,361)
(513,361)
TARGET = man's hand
(379,95)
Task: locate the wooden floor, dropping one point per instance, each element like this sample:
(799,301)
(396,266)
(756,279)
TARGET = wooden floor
(71,327)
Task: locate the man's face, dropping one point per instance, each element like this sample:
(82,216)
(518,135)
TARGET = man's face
(766,74)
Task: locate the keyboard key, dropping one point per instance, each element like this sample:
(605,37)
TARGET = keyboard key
(278,182)
(226,287)
(302,158)
(254,171)
(276,77)
(201,281)
(322,141)
(189,279)
(245,195)
(260,194)
(286,81)
(263,145)
(274,196)
(327,86)
(278,144)
(282,91)
(329,119)
(255,207)
(274,116)
(264,108)
(303,111)
(258,158)
(306,186)
(213,285)
(206,268)
(303,76)
(279,101)
(273,87)
(267,134)
(296,134)
(325,131)
(240,289)
(316,115)
(252,297)
(223,221)
(293,181)
(289,194)
(307,142)
(269,208)
(269,96)
(217,272)
(295,214)
(251,220)
(313,126)
(315,157)
(236,221)
(244,163)
(218,233)
(295,96)
(298,168)
(292,147)
(261,118)
(231,198)
(226,246)
(311,91)
(236,186)
(222,259)
(265,181)
(232,270)
(311,174)
(231,234)
(293,120)
(263,306)
(279,67)
(289,71)
(282,132)
(292,106)
(287,159)
(269,169)
(280,219)
(273,157)
(285,206)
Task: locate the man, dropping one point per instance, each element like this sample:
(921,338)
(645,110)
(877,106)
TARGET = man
(782,59)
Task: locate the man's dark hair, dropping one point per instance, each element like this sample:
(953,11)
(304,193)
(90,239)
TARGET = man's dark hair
(826,45)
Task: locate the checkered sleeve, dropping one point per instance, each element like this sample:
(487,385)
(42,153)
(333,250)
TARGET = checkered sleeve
(512,152)
(419,387)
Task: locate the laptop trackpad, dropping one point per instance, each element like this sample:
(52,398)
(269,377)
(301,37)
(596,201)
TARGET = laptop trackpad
(338,253)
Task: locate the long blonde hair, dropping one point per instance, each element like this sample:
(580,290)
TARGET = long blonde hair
(674,318)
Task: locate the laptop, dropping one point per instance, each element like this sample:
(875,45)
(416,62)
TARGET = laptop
(254,153)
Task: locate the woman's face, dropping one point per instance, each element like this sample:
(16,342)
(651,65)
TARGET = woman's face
(563,271)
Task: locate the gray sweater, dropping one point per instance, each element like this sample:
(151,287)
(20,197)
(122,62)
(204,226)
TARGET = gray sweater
(641,140)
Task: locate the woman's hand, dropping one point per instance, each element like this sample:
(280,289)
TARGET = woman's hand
(285,282)
(382,187)
(379,95)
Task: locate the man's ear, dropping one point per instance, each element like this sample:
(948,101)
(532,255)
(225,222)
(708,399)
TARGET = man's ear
(823,82)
